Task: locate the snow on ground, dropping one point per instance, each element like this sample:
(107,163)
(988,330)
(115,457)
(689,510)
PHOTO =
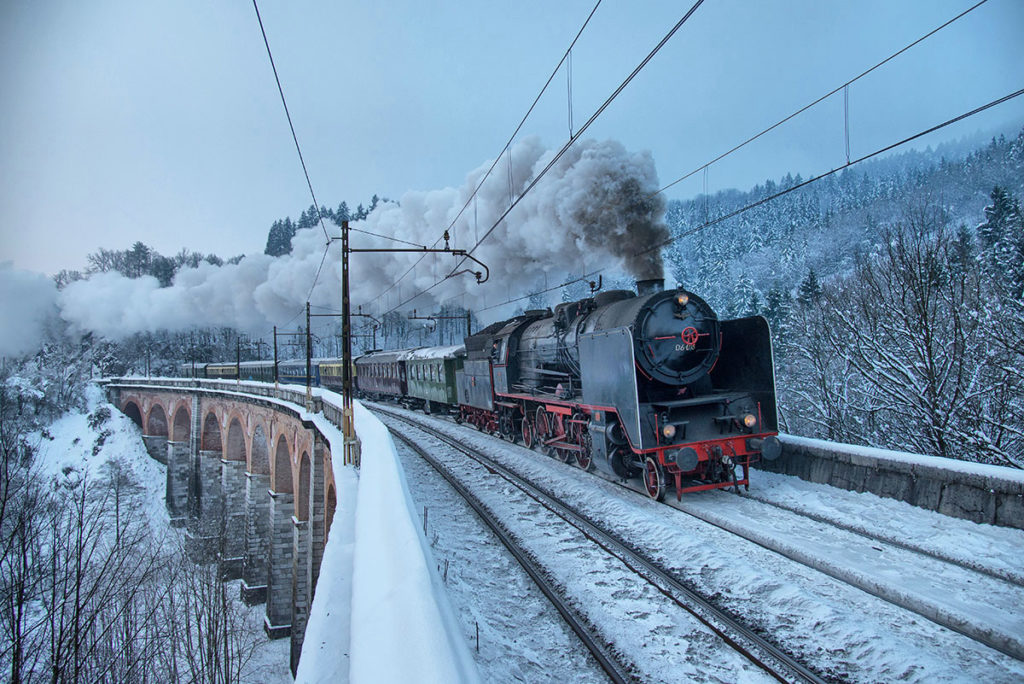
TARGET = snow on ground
(522,639)
(982,607)
(841,630)
(76,451)
(999,549)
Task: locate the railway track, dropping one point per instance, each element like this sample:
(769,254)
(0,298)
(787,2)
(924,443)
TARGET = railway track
(946,603)
(1002,574)
(606,660)
(951,603)
(738,636)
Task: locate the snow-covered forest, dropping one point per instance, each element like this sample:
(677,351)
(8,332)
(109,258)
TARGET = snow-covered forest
(894,295)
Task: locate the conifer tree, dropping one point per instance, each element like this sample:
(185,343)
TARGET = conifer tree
(810,289)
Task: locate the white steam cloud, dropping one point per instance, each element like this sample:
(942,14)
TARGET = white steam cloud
(593,209)
(28,301)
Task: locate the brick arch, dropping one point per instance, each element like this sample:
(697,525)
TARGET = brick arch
(259,453)
(302,503)
(332,505)
(211,440)
(282,475)
(236,450)
(182,425)
(156,425)
(131,409)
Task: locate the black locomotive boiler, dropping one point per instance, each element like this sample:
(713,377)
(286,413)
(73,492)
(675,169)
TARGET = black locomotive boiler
(650,384)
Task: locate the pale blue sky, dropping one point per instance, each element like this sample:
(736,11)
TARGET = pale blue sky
(160,121)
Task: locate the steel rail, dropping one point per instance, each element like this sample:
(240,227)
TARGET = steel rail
(785,667)
(616,671)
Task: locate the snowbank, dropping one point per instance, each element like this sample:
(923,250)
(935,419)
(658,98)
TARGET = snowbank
(76,450)
(378,586)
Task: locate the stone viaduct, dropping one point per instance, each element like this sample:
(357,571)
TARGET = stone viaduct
(250,478)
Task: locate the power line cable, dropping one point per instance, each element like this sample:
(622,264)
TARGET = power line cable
(779,194)
(309,183)
(563,150)
(847,165)
(316,278)
(600,110)
(704,167)
(822,98)
(508,144)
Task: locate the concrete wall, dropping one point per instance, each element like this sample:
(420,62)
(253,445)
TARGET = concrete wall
(982,493)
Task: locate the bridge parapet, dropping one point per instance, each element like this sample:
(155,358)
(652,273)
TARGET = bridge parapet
(973,491)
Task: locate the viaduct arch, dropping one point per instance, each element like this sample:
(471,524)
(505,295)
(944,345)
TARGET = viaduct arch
(250,481)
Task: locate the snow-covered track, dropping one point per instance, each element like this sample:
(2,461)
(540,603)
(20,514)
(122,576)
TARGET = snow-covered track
(1000,573)
(758,650)
(616,671)
(978,605)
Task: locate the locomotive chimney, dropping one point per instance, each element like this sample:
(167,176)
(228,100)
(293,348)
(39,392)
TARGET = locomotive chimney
(649,286)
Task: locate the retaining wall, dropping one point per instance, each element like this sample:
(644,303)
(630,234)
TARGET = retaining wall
(973,491)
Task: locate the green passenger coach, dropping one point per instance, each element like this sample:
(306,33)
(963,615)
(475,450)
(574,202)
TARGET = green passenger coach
(430,372)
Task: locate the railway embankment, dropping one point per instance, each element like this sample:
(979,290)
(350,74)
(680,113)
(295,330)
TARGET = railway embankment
(974,491)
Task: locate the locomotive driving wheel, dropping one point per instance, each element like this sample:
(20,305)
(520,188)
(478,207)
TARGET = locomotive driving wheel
(506,425)
(581,436)
(542,426)
(654,479)
(583,457)
(528,433)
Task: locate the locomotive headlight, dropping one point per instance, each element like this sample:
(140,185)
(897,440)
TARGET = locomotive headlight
(750,420)
(669,431)
(682,299)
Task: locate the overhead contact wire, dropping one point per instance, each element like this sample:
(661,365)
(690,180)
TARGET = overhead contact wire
(507,145)
(704,167)
(284,103)
(590,121)
(298,148)
(820,99)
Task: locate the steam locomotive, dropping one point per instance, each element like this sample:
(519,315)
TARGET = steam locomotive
(651,384)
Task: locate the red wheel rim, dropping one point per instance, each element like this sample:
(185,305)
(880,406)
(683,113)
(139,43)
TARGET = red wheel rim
(653,480)
(583,459)
(542,423)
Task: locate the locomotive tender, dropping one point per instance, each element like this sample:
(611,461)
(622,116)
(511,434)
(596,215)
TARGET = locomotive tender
(650,384)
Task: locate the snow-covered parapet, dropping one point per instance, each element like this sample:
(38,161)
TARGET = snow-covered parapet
(380,613)
(973,491)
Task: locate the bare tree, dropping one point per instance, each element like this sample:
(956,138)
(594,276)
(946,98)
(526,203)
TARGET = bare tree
(911,327)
